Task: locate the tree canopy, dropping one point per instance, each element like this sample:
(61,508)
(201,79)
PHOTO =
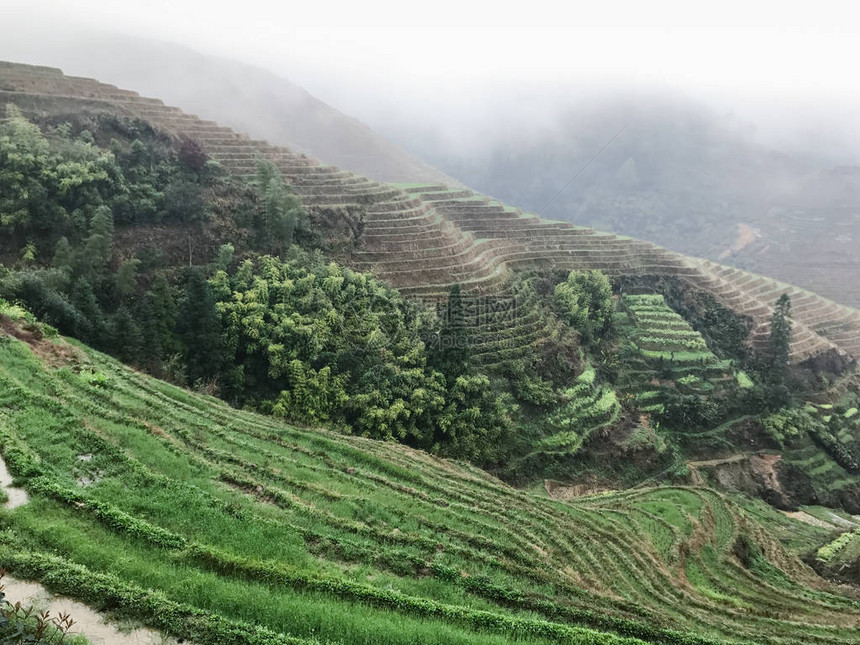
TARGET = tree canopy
(312,341)
(585,302)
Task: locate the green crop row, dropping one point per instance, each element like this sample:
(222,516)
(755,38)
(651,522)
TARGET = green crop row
(278,574)
(663,343)
(829,550)
(151,607)
(450,535)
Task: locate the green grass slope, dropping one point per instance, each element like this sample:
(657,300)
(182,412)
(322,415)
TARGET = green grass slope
(220,526)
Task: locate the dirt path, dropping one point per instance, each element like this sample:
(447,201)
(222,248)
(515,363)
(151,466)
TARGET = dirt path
(696,477)
(89,623)
(17,496)
(803,516)
(718,462)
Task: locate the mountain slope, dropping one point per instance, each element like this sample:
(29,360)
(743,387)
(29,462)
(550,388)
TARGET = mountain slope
(247,98)
(423,238)
(204,521)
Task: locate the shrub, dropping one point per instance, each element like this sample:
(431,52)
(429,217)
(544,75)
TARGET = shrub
(21,625)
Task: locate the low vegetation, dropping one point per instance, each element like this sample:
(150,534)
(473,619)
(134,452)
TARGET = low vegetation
(167,506)
(25,625)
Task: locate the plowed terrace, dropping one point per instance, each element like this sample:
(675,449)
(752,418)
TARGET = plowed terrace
(422,239)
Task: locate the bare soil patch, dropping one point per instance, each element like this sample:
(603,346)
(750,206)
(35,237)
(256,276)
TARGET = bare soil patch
(560,491)
(53,353)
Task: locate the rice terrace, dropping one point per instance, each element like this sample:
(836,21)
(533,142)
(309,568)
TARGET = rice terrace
(251,398)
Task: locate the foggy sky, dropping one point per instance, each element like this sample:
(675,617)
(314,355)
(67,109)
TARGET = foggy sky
(789,67)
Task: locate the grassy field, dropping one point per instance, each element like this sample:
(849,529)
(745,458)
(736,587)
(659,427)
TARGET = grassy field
(219,526)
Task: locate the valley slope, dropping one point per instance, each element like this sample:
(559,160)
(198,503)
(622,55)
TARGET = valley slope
(216,525)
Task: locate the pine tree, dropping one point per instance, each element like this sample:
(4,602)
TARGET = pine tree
(198,326)
(126,278)
(126,336)
(84,300)
(63,254)
(164,312)
(150,355)
(98,244)
(780,336)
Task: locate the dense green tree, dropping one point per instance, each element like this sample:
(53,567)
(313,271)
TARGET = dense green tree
(100,239)
(41,292)
(689,412)
(315,342)
(126,278)
(585,302)
(780,337)
(476,424)
(147,171)
(311,396)
(528,386)
(183,203)
(164,314)
(49,183)
(788,424)
(225,256)
(84,299)
(281,215)
(198,326)
(265,172)
(126,336)
(151,350)
(28,254)
(284,220)
(449,350)
(26,183)
(63,258)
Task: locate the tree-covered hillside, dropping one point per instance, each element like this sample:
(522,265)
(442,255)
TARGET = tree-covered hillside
(140,245)
(302,338)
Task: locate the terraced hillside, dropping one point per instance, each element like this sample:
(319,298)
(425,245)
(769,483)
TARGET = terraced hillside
(422,239)
(220,526)
(842,553)
(585,409)
(666,354)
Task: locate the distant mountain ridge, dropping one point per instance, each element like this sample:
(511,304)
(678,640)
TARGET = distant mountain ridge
(247,98)
(679,175)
